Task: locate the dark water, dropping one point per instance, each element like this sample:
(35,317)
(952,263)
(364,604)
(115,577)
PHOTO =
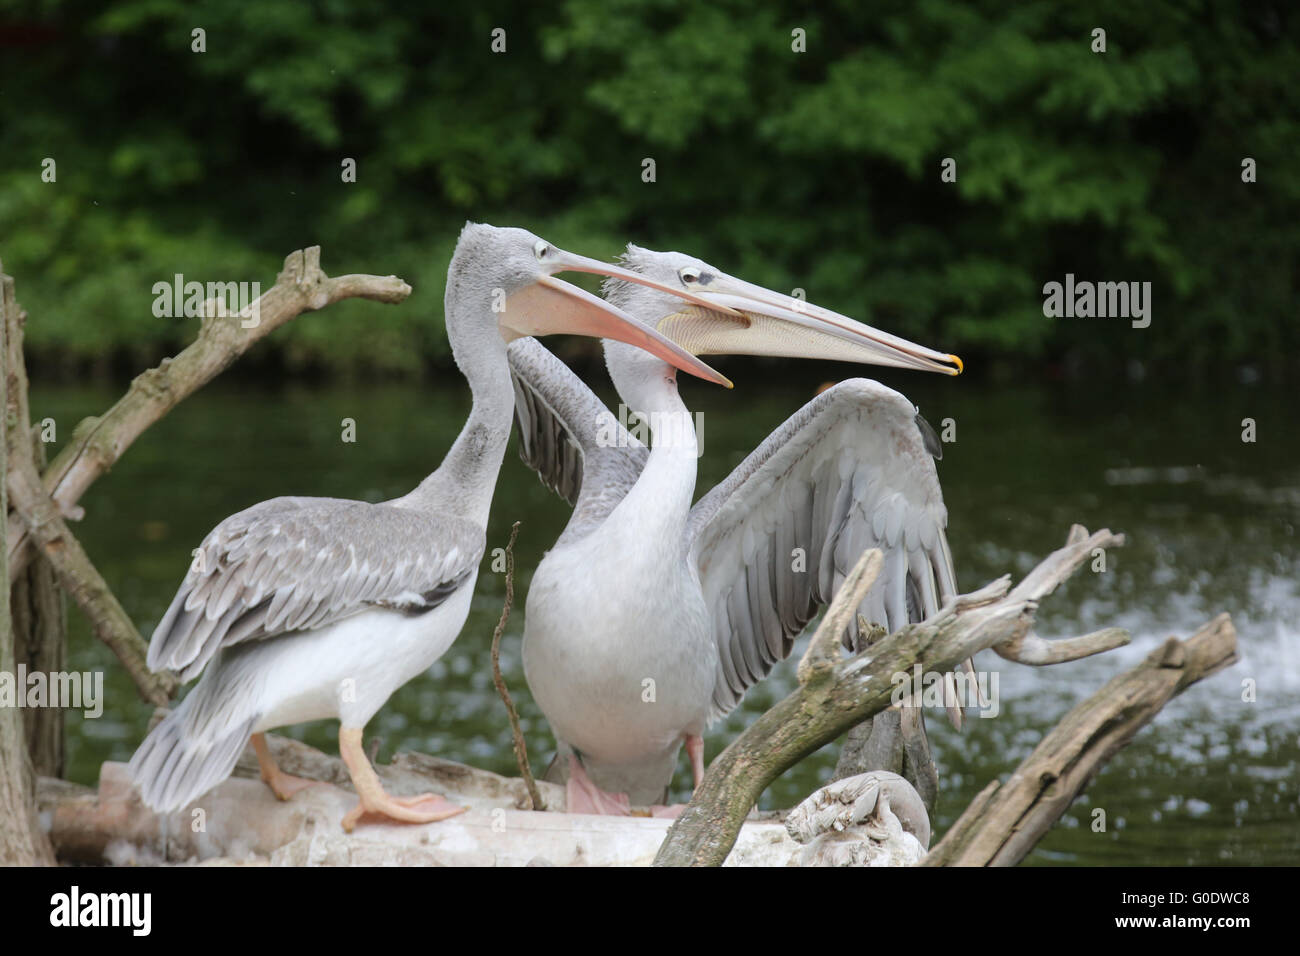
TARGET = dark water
(1211,524)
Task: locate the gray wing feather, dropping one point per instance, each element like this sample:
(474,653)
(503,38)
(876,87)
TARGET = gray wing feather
(850,471)
(567,435)
(295,564)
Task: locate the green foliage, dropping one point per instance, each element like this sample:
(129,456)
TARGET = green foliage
(818,169)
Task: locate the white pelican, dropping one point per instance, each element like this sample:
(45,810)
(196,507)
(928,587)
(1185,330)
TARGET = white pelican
(298,609)
(650,618)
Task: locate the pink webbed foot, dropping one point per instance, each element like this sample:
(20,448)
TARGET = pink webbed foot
(374,803)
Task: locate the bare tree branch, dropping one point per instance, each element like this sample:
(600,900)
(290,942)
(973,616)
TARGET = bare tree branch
(99,443)
(835,693)
(1005,822)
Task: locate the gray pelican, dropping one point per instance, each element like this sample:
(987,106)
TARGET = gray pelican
(650,618)
(299,609)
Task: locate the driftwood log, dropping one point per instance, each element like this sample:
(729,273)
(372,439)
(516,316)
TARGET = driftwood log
(835,694)
(1004,822)
(241,822)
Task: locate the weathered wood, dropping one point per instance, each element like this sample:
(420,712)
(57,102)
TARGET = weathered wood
(40,621)
(22,841)
(835,694)
(893,741)
(98,443)
(1006,821)
(871,819)
(36,603)
(241,821)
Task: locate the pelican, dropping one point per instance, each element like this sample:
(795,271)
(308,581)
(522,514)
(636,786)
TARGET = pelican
(650,618)
(299,609)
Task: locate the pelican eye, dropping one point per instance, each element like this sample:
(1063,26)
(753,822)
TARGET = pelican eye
(541,248)
(688,274)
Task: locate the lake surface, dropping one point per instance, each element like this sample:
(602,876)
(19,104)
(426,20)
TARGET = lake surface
(1211,524)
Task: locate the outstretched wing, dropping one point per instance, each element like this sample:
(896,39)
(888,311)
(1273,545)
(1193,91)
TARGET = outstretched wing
(567,435)
(848,472)
(294,564)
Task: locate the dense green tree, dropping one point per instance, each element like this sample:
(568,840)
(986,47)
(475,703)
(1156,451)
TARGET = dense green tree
(817,169)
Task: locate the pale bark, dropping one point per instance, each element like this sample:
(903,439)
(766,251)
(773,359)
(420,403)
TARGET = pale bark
(242,822)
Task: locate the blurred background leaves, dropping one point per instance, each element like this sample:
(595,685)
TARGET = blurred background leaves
(818,170)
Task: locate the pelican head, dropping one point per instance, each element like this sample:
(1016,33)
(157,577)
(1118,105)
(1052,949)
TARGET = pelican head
(721,314)
(509,272)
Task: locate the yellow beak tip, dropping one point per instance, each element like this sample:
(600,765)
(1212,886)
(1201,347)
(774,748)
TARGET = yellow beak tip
(961,366)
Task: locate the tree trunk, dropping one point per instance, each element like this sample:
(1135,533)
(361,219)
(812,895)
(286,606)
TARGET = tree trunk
(22,842)
(40,619)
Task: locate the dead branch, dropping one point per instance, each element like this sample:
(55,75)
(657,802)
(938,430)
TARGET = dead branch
(1005,822)
(521,748)
(836,693)
(98,443)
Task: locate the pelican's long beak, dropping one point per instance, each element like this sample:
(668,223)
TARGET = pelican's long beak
(549,306)
(770,323)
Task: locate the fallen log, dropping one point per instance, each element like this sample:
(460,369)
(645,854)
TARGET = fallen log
(241,822)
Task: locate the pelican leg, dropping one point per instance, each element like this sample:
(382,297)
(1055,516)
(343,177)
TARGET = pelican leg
(695,750)
(581,795)
(283,785)
(374,801)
